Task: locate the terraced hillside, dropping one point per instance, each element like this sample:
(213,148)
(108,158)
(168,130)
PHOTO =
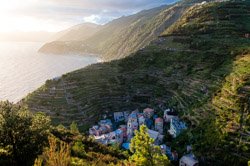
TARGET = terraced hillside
(199,67)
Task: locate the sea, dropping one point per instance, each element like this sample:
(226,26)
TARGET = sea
(23,69)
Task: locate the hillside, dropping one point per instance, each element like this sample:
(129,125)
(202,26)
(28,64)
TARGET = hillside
(70,40)
(122,36)
(199,67)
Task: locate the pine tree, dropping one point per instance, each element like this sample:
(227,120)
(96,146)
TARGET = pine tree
(144,152)
(74,128)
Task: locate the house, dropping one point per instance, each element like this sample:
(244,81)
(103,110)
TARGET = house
(119,116)
(126,146)
(149,123)
(159,125)
(105,126)
(188,160)
(163,148)
(101,139)
(132,124)
(126,115)
(172,156)
(141,119)
(153,134)
(94,131)
(176,127)
(115,137)
(169,114)
(124,129)
(148,113)
(105,122)
(158,138)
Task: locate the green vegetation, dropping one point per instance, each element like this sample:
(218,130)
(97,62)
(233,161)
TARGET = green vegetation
(28,139)
(22,135)
(199,67)
(144,152)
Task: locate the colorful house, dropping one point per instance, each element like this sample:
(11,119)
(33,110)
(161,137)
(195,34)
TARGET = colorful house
(132,124)
(148,113)
(119,116)
(176,127)
(149,123)
(105,122)
(159,125)
(126,115)
(141,119)
(115,137)
(169,114)
(188,160)
(105,126)
(124,129)
(156,136)
(94,131)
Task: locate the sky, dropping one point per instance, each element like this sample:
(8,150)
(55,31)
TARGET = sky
(57,15)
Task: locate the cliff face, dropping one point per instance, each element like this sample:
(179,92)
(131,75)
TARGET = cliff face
(199,67)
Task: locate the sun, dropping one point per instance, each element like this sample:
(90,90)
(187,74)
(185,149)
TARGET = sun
(14,17)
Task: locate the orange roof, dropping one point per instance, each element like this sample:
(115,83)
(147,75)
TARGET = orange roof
(148,110)
(158,120)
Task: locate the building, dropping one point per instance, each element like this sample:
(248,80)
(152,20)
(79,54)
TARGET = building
(94,131)
(158,138)
(126,146)
(159,125)
(169,114)
(104,127)
(115,137)
(141,119)
(132,124)
(119,116)
(124,129)
(148,113)
(101,139)
(126,115)
(176,127)
(149,123)
(188,160)
(105,122)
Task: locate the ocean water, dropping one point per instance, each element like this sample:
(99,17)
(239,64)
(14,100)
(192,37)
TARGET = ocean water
(23,69)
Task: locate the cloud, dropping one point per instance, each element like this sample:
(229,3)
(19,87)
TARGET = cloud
(71,12)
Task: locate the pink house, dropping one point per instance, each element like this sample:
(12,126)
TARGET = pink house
(159,125)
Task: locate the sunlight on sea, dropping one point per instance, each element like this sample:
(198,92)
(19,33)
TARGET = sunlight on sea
(23,69)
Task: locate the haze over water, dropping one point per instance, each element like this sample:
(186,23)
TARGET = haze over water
(23,69)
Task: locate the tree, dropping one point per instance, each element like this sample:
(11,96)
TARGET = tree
(74,128)
(144,152)
(58,153)
(22,134)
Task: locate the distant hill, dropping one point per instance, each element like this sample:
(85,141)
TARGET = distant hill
(199,66)
(120,37)
(123,36)
(78,32)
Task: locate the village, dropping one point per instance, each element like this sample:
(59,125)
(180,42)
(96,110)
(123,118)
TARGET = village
(120,130)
